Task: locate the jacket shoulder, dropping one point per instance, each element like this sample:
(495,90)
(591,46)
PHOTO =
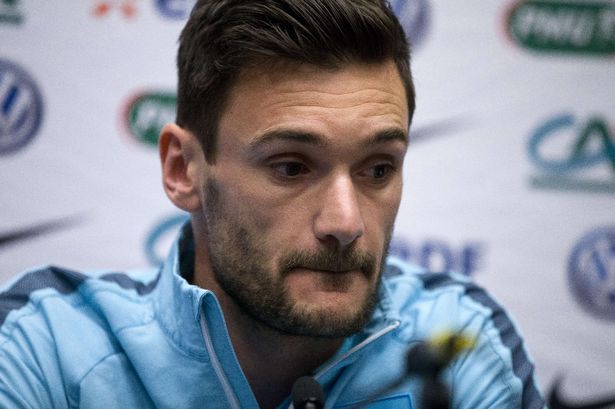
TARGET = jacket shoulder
(51,294)
(498,367)
(438,301)
(25,292)
(55,327)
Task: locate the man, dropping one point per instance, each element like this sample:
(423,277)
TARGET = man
(291,132)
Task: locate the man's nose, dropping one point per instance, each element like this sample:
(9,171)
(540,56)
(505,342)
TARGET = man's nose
(339,217)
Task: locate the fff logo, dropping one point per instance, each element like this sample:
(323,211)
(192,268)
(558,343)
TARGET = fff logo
(573,154)
(440,255)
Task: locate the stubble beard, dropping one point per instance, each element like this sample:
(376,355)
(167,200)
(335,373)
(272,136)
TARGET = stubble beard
(240,268)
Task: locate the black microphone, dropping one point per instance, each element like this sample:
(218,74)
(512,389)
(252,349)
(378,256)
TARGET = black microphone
(307,394)
(428,359)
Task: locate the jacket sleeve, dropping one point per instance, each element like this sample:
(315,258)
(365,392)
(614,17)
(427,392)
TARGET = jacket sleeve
(497,372)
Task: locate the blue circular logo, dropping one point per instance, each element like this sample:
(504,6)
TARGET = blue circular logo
(591,272)
(21,108)
(414,17)
(175,9)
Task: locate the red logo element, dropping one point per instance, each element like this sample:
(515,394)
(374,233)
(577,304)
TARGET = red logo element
(127,8)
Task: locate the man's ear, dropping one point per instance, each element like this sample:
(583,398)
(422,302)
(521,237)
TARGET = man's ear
(183,165)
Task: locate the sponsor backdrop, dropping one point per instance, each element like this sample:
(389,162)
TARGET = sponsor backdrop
(510,177)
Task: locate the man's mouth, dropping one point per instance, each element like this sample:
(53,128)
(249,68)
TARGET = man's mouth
(331,280)
(329,264)
(330,270)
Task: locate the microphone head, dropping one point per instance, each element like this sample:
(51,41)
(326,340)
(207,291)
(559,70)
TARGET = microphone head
(422,360)
(307,393)
(429,358)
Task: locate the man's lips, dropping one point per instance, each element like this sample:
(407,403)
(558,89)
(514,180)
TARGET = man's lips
(324,271)
(328,281)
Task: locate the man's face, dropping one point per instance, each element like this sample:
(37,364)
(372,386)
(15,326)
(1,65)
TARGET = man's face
(300,204)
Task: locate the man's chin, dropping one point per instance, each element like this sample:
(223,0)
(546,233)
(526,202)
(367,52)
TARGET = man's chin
(331,315)
(340,304)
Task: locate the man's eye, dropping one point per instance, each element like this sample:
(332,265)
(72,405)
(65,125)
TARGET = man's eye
(289,169)
(381,171)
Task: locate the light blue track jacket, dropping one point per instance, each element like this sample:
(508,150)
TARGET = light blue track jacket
(152,340)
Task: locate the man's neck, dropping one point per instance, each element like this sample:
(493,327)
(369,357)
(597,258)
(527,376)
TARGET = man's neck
(271,360)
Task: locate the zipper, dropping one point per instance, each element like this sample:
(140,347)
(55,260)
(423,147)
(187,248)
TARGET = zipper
(394,325)
(215,362)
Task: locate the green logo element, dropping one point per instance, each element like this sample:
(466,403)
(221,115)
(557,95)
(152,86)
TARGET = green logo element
(10,13)
(147,114)
(579,27)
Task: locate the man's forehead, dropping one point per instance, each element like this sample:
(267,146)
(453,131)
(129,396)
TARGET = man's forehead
(284,85)
(282,73)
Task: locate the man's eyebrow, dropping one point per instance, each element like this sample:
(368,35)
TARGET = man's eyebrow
(288,135)
(313,139)
(387,135)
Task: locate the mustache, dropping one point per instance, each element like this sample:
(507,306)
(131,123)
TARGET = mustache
(330,260)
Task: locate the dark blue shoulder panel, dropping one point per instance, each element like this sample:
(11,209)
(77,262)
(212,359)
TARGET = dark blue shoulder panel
(63,281)
(128,283)
(522,366)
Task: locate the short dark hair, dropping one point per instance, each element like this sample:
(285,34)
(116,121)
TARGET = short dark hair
(222,37)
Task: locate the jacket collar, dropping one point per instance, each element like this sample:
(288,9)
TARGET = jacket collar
(180,301)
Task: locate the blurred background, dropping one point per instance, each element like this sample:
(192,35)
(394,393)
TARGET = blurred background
(510,176)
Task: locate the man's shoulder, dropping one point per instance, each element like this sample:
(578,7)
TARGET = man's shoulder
(33,291)
(412,282)
(433,305)
(50,294)
(437,301)
(57,325)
